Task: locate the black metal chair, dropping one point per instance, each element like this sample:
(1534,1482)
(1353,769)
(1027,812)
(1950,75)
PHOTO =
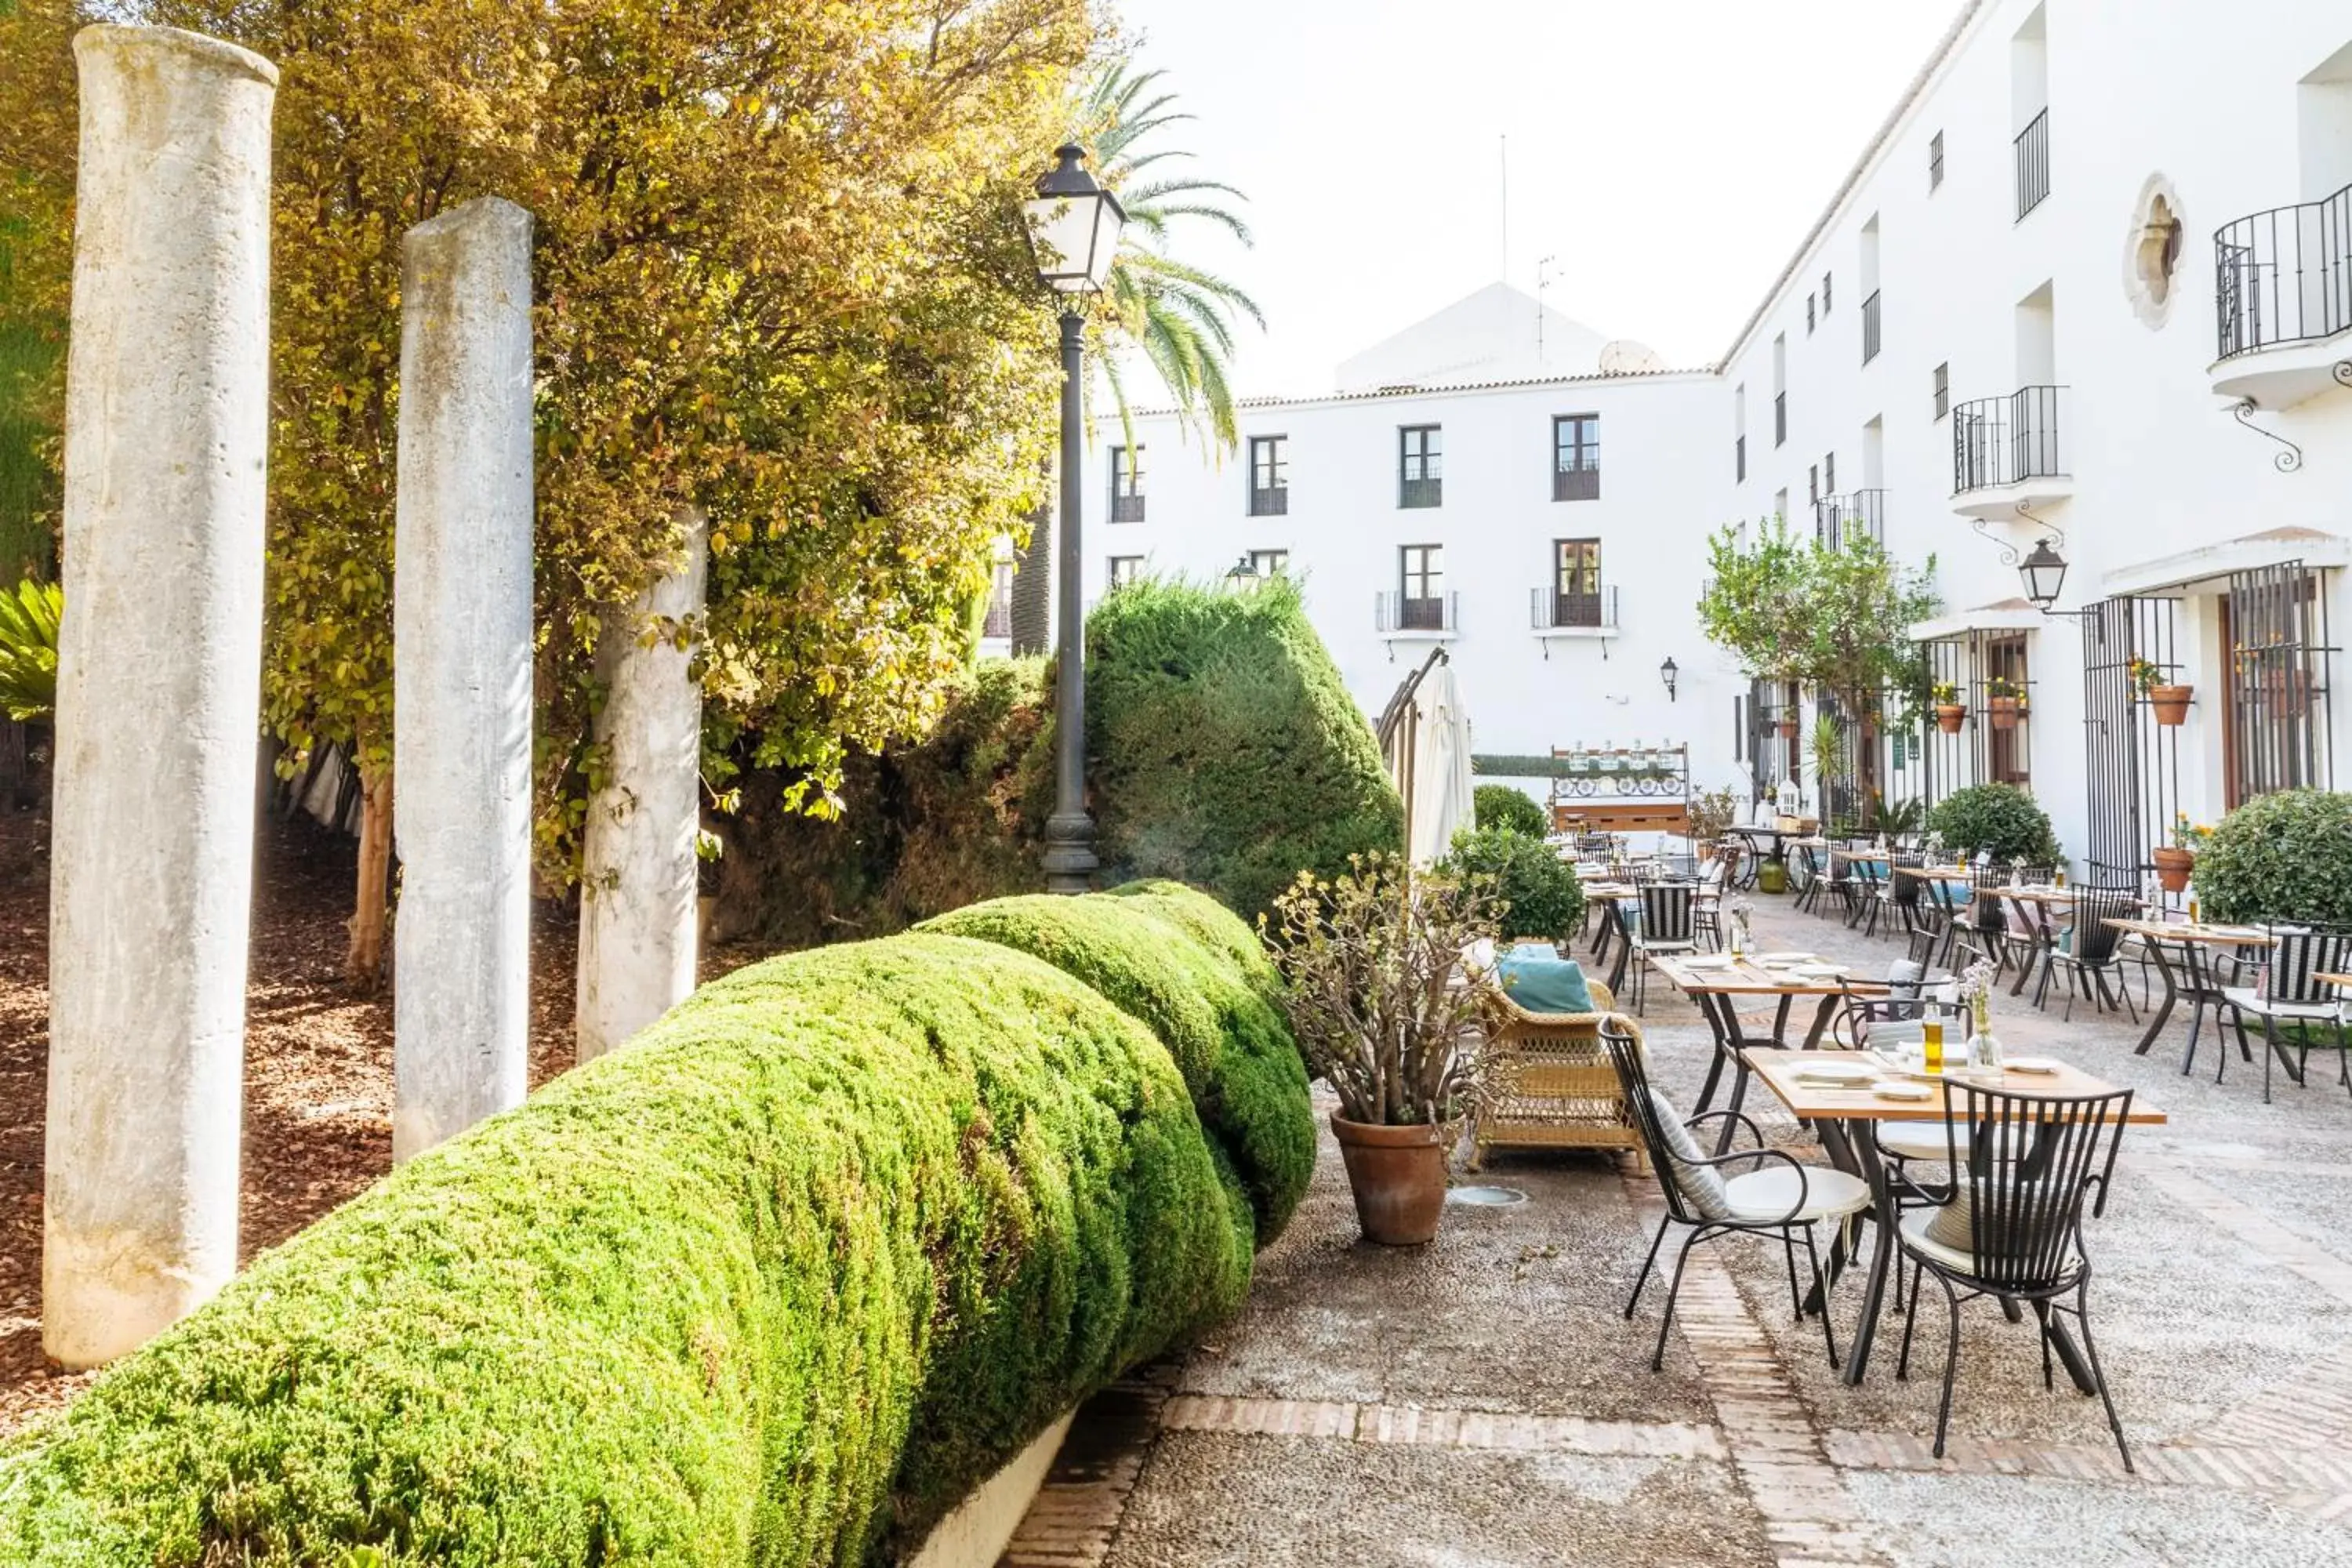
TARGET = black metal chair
(1781,1197)
(2012,1228)
(1866,892)
(1985,925)
(2091,950)
(1805,874)
(1667,922)
(2288,990)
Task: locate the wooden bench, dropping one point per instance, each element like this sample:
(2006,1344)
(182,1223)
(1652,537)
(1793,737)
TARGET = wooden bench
(1622,816)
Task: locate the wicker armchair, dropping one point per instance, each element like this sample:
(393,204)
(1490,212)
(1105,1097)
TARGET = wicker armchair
(1551,1083)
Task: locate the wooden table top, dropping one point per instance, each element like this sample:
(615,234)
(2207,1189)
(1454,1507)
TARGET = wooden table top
(1749,978)
(1940,873)
(1779,1069)
(2333,979)
(2209,935)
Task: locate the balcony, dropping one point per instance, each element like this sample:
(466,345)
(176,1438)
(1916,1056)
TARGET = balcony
(1552,614)
(2007,454)
(1859,514)
(2282,297)
(1437,615)
(1421,492)
(2033,163)
(1275,502)
(1870,338)
(1127,509)
(1576,484)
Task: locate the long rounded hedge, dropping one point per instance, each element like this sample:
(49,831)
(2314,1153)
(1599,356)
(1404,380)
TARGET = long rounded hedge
(775,1285)
(2284,857)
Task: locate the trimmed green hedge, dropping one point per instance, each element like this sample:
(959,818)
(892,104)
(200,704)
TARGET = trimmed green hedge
(1545,898)
(1998,817)
(2286,856)
(1502,805)
(1146,946)
(776,1284)
(1225,750)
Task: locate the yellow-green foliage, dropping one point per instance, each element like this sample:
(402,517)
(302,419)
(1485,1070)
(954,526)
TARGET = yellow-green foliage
(774,1285)
(1196,976)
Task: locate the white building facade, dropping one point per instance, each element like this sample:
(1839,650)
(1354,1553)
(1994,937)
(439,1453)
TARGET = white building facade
(2090,284)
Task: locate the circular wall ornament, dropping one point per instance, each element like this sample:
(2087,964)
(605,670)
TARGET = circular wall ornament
(2152,252)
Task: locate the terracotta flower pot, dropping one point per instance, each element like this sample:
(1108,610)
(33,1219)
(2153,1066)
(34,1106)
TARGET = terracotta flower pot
(1787,729)
(2002,711)
(1398,1174)
(2173,867)
(2170,702)
(1949,716)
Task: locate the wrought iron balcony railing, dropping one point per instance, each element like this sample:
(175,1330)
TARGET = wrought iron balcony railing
(2284,276)
(1275,502)
(1421,492)
(1780,419)
(1857,514)
(1870,328)
(1739,458)
(2033,163)
(1395,612)
(1550,610)
(2000,441)
(1576,484)
(998,623)
(1127,509)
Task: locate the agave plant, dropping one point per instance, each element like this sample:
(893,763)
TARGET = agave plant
(29,650)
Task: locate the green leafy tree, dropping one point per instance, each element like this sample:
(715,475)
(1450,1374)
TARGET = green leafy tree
(1501,806)
(35,264)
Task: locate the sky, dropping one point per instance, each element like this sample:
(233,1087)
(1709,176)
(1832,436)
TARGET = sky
(1666,156)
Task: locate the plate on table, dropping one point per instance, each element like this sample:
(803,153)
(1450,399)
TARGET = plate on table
(1819,971)
(1707,961)
(1784,958)
(1835,1073)
(2041,1066)
(1905,1090)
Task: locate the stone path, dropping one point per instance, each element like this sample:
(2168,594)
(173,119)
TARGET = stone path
(1484,1402)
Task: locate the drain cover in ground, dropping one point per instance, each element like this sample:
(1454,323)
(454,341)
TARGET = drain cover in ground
(1486,1198)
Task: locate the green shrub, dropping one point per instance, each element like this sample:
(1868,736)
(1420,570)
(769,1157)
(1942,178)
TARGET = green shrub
(1500,805)
(2281,857)
(774,1285)
(1998,817)
(1212,1004)
(1545,898)
(1225,751)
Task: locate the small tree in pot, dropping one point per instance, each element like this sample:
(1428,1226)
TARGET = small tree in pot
(1372,959)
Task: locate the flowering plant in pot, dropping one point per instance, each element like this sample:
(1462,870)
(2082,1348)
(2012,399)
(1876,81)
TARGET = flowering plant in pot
(2170,700)
(2004,700)
(1950,712)
(2177,861)
(1380,989)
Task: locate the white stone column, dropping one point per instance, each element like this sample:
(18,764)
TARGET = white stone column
(638,876)
(462,675)
(159,682)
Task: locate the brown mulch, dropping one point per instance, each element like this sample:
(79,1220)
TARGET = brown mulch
(318,1063)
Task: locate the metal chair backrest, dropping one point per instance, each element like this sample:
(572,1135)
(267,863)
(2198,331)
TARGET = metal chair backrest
(2031,1162)
(1634,1079)
(2296,957)
(2095,939)
(1860,1016)
(1985,909)
(1668,912)
(1805,864)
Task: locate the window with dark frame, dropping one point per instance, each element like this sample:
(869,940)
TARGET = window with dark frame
(1576,456)
(1825,294)
(1935,161)
(1269,563)
(1808,315)
(1829,473)
(1943,389)
(998,623)
(1125,569)
(1126,484)
(1269,470)
(1576,583)
(1422,587)
(1813,483)
(1421,466)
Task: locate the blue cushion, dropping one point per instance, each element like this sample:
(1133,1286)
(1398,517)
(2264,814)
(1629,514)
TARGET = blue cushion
(1544,983)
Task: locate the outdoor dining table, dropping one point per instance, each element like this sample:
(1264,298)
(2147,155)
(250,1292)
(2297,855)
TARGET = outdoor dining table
(1846,1119)
(2202,990)
(1718,983)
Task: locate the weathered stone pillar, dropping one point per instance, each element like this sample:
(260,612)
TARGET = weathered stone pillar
(638,879)
(462,675)
(159,682)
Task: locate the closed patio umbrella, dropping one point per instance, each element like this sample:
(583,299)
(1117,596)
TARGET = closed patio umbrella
(1439,799)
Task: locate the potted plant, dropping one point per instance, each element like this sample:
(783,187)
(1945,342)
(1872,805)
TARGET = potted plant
(1371,959)
(2170,702)
(2004,700)
(1788,724)
(2176,861)
(1950,712)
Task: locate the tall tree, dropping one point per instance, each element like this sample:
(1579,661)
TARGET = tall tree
(778,264)
(36,263)
(1176,315)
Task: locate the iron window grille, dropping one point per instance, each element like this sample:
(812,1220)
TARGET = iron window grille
(1839,517)
(2033,163)
(1739,458)
(1870,328)
(1998,441)
(1421,466)
(1813,484)
(1126,484)
(2284,276)
(1825,294)
(1269,467)
(1936,162)
(2131,763)
(1808,315)
(1576,456)
(1943,389)
(1829,473)
(1978,666)
(1780,419)
(2278,732)
(999,621)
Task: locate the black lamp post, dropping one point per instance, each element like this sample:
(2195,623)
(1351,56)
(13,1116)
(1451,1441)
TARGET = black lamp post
(1243,575)
(1670,672)
(2045,572)
(1074,228)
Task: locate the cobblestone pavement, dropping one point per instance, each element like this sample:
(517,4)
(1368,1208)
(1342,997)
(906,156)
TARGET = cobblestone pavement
(1483,1401)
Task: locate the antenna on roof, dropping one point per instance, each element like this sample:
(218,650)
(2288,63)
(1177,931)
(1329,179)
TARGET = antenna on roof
(1543,281)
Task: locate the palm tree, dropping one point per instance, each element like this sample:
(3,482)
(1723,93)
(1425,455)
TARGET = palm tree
(1178,316)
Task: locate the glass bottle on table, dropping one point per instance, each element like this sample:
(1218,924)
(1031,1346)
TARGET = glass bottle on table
(1931,1046)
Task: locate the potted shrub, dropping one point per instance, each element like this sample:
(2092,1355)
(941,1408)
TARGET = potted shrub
(1500,805)
(2284,857)
(1950,712)
(1998,819)
(2004,701)
(1788,725)
(1538,896)
(2170,702)
(2177,861)
(1370,958)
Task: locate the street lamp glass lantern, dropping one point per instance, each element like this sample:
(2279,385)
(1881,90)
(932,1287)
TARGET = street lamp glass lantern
(2045,572)
(1074,226)
(1243,574)
(1668,672)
